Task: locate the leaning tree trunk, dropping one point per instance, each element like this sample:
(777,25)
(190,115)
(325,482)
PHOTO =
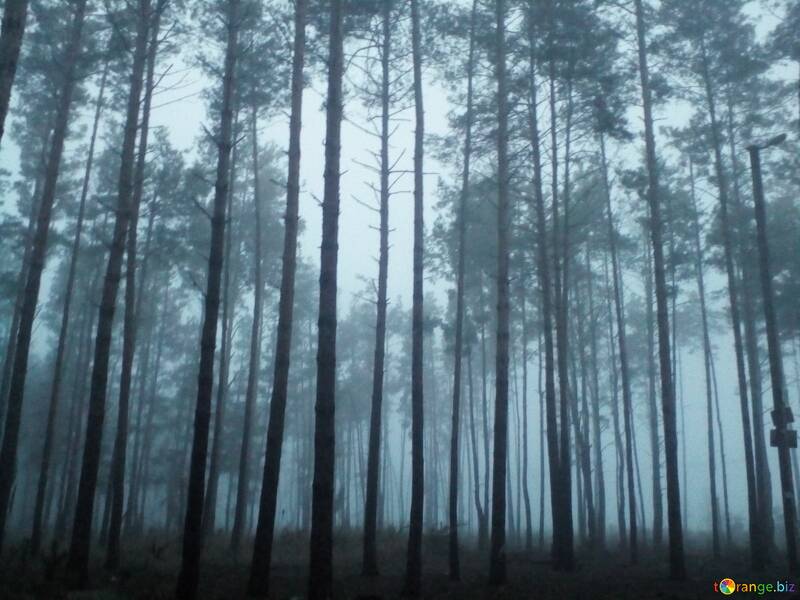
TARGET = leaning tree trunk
(16,393)
(370,555)
(455,567)
(677,564)
(413,577)
(193,524)
(15,13)
(243,481)
(623,358)
(497,564)
(78,563)
(58,365)
(131,318)
(320,579)
(262,550)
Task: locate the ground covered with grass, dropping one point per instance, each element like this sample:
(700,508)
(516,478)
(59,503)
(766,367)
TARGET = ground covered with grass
(150,568)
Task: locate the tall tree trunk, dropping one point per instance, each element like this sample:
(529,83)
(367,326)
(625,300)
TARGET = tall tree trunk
(497,565)
(193,523)
(229,284)
(483,527)
(243,480)
(131,317)
(580,410)
(8,453)
(15,14)
(701,290)
(455,569)
(600,483)
(479,509)
(546,291)
(627,407)
(622,527)
(370,554)
(320,580)
(781,411)
(58,365)
(677,566)
(755,510)
(525,492)
(262,550)
(413,576)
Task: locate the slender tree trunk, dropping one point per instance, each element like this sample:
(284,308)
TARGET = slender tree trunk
(525,492)
(15,13)
(455,569)
(370,553)
(480,510)
(497,565)
(583,445)
(596,431)
(320,580)
(622,528)
(546,291)
(701,290)
(676,558)
(262,550)
(192,531)
(413,575)
(623,359)
(8,453)
(131,317)
(483,532)
(229,284)
(243,480)
(55,389)
(755,510)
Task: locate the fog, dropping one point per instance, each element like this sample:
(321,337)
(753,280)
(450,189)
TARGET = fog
(135,421)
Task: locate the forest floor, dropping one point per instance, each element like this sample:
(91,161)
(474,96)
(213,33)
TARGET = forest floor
(149,572)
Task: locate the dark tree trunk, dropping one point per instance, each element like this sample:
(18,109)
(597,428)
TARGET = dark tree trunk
(525,492)
(78,562)
(781,412)
(19,284)
(623,358)
(58,366)
(497,564)
(243,481)
(413,576)
(320,579)
(131,317)
(370,553)
(677,566)
(193,523)
(16,393)
(480,510)
(229,284)
(15,13)
(622,527)
(455,568)
(262,550)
